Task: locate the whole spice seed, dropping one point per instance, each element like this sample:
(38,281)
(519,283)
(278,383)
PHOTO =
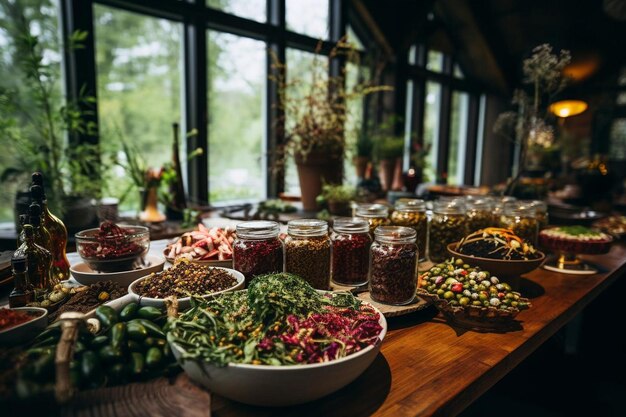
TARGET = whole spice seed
(309,257)
(350,257)
(92,297)
(112,243)
(444,229)
(393,270)
(257,257)
(185,279)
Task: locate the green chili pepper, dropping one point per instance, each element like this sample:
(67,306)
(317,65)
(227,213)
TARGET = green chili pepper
(137,363)
(149,313)
(110,354)
(136,331)
(100,341)
(90,367)
(107,316)
(152,328)
(118,335)
(129,312)
(153,357)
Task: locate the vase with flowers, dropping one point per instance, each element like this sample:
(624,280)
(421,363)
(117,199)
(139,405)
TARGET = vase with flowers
(529,127)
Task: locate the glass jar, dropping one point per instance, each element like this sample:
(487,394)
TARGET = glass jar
(375,214)
(393,265)
(447,225)
(479,214)
(520,217)
(351,243)
(412,213)
(307,251)
(541,213)
(498,206)
(257,249)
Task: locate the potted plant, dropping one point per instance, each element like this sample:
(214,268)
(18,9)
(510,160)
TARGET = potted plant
(35,123)
(315,113)
(338,198)
(363,153)
(388,150)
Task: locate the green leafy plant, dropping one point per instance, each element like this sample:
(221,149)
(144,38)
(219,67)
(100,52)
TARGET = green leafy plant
(338,193)
(387,145)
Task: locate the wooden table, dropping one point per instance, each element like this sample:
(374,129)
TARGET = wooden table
(427,368)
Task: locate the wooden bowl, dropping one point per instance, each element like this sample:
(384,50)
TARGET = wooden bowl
(499,267)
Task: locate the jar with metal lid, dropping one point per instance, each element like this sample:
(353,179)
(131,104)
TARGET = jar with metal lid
(498,205)
(351,243)
(520,217)
(479,214)
(412,213)
(541,213)
(393,265)
(375,214)
(307,251)
(447,225)
(258,249)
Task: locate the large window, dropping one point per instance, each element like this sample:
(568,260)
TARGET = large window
(309,17)
(250,9)
(138,62)
(458,137)
(431,127)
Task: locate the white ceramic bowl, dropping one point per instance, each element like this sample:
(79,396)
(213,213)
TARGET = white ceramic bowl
(183,303)
(84,275)
(25,332)
(268,385)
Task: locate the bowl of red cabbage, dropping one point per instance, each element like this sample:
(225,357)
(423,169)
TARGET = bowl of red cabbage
(278,343)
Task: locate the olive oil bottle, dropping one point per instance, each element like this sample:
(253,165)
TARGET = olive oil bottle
(38,262)
(56,228)
(22,293)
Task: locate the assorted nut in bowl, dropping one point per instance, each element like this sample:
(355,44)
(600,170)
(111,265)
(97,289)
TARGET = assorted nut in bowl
(113,248)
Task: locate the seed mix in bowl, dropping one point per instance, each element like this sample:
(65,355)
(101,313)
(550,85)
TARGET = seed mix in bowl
(185,279)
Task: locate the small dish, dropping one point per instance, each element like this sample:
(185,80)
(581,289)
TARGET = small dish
(23,333)
(100,247)
(84,275)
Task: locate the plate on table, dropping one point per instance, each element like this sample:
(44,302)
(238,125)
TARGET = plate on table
(84,275)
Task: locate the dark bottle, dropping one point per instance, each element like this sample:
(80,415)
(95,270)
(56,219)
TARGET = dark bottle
(57,231)
(38,261)
(22,293)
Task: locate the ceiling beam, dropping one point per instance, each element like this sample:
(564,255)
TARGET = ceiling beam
(374,29)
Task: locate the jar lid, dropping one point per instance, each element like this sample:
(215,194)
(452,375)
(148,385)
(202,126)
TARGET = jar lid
(519,208)
(372,210)
(449,206)
(395,234)
(411,205)
(538,205)
(480,204)
(351,225)
(307,227)
(258,229)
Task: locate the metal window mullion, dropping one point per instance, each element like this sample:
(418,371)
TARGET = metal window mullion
(472,137)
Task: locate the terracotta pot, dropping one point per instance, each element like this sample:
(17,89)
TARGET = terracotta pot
(340,208)
(313,171)
(385,173)
(397,184)
(360,164)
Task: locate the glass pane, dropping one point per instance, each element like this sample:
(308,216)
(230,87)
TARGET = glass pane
(309,17)
(408,118)
(354,123)
(250,9)
(458,73)
(618,140)
(458,138)
(431,127)
(354,39)
(301,69)
(236,123)
(413,55)
(138,62)
(434,61)
(19,113)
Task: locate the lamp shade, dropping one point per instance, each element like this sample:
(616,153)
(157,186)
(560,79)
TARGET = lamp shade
(567,108)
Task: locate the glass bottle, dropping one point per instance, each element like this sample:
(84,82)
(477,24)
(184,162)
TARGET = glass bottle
(447,225)
(393,265)
(375,214)
(541,213)
(257,249)
(412,213)
(38,260)
(42,237)
(58,234)
(479,214)
(307,251)
(22,293)
(520,217)
(351,243)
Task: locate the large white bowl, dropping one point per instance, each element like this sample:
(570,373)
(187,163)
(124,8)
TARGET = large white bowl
(84,275)
(268,385)
(25,332)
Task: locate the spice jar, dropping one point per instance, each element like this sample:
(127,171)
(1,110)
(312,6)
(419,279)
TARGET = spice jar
(447,225)
(393,265)
(307,251)
(541,213)
(412,213)
(351,243)
(498,206)
(257,249)
(479,214)
(375,214)
(520,217)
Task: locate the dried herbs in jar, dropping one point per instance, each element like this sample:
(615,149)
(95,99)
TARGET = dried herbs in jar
(520,217)
(448,225)
(375,214)
(257,249)
(479,214)
(412,213)
(393,265)
(307,251)
(350,251)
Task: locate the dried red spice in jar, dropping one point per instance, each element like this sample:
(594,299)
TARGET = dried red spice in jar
(307,251)
(393,265)
(350,251)
(257,249)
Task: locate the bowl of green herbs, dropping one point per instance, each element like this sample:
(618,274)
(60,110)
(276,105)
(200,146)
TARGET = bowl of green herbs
(278,343)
